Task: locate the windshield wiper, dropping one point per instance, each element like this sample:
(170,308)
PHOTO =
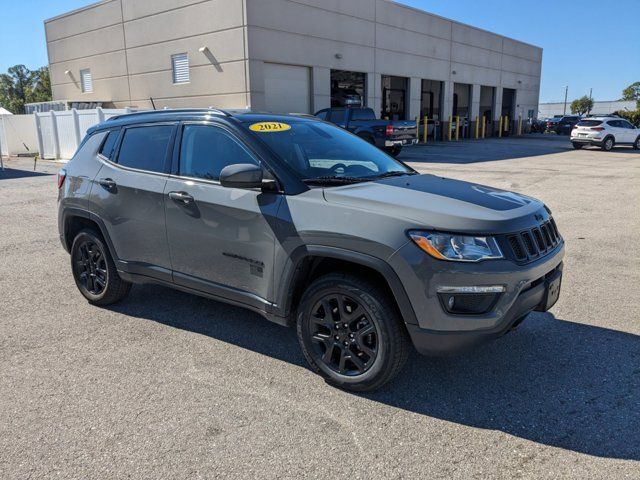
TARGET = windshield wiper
(394,173)
(333,179)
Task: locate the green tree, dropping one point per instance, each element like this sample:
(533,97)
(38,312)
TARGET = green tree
(21,85)
(581,105)
(632,92)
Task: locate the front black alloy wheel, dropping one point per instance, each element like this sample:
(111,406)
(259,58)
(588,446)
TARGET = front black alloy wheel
(94,271)
(343,336)
(351,333)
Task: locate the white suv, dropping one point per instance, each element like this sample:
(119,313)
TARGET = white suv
(605,132)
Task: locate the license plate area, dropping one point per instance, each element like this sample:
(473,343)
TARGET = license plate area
(552,292)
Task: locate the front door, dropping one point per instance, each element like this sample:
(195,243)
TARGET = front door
(128,195)
(221,239)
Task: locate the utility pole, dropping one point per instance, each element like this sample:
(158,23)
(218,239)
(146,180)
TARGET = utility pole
(566,92)
(590,98)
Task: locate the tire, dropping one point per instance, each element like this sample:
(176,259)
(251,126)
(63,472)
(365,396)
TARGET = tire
(607,144)
(94,270)
(636,144)
(577,146)
(366,354)
(393,151)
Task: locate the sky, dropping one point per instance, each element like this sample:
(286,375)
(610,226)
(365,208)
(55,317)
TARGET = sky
(587,43)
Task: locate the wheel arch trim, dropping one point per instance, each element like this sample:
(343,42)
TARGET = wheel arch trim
(300,254)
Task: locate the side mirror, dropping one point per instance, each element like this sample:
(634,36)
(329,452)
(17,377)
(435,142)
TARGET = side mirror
(242,175)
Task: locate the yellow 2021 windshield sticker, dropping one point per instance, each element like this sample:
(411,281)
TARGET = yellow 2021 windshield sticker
(268,127)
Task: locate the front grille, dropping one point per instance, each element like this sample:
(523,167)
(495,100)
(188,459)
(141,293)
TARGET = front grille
(535,242)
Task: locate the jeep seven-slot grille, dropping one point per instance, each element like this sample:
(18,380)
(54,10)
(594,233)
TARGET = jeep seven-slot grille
(535,242)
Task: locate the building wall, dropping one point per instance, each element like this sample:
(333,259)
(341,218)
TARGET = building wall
(127,45)
(599,108)
(380,37)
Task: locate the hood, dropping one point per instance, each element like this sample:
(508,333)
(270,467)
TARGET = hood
(443,204)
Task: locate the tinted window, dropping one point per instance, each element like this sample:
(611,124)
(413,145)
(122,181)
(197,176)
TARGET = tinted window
(614,123)
(322,114)
(336,115)
(109,142)
(589,123)
(363,114)
(145,148)
(626,124)
(206,150)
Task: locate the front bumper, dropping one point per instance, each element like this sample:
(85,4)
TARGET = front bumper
(438,332)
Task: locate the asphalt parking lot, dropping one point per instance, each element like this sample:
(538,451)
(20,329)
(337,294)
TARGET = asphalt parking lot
(168,385)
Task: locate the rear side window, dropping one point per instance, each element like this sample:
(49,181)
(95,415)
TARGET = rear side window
(589,123)
(363,114)
(322,114)
(336,115)
(109,142)
(206,150)
(614,123)
(145,148)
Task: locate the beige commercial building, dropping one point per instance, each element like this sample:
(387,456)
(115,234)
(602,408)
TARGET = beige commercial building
(289,56)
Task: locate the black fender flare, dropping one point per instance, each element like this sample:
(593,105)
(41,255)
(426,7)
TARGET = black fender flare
(284,295)
(71,212)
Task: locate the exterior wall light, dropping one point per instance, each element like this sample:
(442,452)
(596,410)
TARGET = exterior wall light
(338,56)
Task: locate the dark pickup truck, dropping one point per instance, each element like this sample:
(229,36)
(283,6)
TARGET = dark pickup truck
(389,135)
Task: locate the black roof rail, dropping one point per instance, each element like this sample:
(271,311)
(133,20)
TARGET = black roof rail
(214,111)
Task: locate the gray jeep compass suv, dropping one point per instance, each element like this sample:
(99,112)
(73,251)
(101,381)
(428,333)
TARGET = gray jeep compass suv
(308,225)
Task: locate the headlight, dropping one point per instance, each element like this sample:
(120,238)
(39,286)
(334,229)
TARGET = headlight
(460,248)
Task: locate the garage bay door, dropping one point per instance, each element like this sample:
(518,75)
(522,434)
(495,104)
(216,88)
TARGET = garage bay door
(287,88)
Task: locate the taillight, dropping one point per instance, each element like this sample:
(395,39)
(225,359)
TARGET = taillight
(597,129)
(575,126)
(389,130)
(62,174)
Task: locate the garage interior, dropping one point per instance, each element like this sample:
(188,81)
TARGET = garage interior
(348,89)
(394,97)
(462,106)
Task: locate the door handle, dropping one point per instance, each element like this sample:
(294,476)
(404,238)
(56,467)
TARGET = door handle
(108,183)
(181,197)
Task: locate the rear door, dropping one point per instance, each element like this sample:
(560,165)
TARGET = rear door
(128,195)
(221,239)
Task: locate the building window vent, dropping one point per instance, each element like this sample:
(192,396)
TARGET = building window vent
(86,81)
(180,65)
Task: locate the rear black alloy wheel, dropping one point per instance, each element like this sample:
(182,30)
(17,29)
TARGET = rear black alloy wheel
(91,267)
(94,270)
(343,336)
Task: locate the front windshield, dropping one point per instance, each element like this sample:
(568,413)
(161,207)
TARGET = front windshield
(316,151)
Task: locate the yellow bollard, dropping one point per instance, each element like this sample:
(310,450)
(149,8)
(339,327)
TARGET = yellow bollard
(418,129)
(426,129)
(519,126)
(506,124)
(477,128)
(450,127)
(457,128)
(500,128)
(484,126)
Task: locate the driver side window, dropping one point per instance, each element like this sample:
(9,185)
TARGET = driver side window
(205,150)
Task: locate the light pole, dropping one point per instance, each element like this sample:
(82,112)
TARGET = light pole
(566,92)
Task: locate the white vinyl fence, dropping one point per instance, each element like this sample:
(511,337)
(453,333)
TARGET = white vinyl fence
(18,135)
(59,133)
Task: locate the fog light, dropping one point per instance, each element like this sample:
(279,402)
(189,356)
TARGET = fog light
(469,300)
